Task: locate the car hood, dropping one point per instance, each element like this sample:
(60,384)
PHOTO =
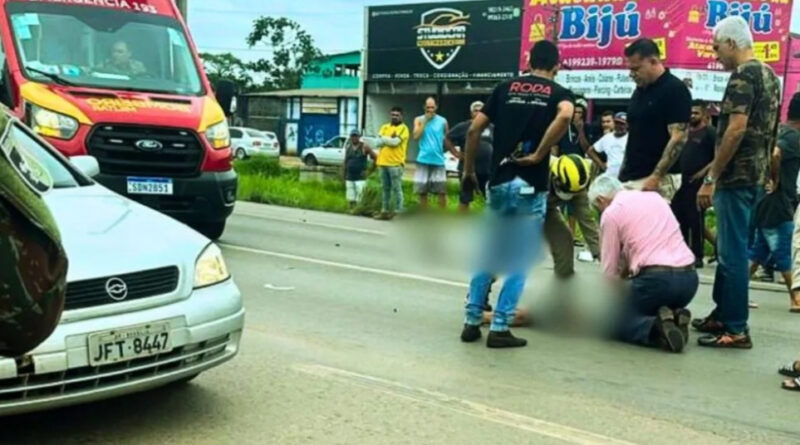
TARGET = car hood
(105,234)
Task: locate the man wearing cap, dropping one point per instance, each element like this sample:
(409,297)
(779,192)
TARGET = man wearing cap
(658,122)
(613,145)
(457,137)
(355,167)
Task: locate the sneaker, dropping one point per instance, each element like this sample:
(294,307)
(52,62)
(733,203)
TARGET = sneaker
(727,341)
(586,257)
(671,338)
(383,216)
(504,339)
(682,319)
(471,333)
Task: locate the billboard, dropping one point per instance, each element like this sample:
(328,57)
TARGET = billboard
(792,80)
(593,35)
(470,40)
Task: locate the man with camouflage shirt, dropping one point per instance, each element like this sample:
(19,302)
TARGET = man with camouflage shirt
(33,265)
(746,135)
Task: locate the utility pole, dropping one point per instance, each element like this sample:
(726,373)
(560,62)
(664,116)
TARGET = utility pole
(183,7)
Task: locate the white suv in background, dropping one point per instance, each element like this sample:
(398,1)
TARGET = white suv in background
(149,300)
(247,142)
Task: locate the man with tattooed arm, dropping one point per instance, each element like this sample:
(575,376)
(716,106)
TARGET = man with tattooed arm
(658,123)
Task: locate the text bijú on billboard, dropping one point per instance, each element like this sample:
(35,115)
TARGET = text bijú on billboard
(593,36)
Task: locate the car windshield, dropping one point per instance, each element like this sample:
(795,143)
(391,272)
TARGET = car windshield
(63,176)
(103,48)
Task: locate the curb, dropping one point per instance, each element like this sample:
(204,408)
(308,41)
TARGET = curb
(754,285)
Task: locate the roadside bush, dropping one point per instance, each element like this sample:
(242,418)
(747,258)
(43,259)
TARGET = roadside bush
(259,165)
(264,180)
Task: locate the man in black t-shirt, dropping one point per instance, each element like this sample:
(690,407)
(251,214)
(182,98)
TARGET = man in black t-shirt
(658,118)
(530,115)
(458,138)
(576,141)
(694,164)
(774,214)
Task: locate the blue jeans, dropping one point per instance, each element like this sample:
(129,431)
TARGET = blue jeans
(392,181)
(734,208)
(773,246)
(514,240)
(649,291)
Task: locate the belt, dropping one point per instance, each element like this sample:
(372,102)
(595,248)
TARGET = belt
(666,269)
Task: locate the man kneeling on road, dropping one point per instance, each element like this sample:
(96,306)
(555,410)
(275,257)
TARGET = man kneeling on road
(642,243)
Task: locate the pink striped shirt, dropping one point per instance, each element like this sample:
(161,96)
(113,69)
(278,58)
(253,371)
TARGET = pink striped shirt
(638,230)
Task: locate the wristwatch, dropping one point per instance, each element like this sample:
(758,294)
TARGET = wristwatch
(708,180)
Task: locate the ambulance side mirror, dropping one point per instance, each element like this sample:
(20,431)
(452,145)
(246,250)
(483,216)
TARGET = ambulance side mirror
(225,91)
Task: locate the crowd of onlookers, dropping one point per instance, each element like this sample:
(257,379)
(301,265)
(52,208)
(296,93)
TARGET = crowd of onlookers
(652,171)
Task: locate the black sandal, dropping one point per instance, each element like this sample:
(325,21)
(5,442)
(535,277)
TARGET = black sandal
(790,370)
(795,385)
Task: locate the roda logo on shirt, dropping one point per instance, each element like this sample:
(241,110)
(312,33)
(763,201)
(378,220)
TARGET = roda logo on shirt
(531,88)
(441,34)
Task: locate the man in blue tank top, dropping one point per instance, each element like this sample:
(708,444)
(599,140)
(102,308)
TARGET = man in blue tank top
(430,130)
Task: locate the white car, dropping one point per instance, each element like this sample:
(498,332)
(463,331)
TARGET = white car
(247,142)
(149,301)
(332,153)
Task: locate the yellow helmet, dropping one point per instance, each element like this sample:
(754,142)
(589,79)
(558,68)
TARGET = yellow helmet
(570,173)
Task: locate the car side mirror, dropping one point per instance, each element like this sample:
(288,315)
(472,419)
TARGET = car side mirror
(87,165)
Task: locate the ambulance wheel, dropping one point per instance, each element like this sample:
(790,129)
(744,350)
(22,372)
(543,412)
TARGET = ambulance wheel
(212,230)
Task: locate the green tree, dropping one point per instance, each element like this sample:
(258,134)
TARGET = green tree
(226,66)
(292,51)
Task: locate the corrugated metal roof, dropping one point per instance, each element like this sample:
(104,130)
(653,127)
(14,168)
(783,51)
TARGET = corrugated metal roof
(306,93)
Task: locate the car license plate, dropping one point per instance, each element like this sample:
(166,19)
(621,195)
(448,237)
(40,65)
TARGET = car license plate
(126,344)
(149,186)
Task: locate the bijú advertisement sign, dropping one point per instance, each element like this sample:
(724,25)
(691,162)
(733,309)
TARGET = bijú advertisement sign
(593,34)
(792,80)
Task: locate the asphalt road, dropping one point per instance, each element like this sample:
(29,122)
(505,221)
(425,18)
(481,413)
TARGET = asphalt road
(352,338)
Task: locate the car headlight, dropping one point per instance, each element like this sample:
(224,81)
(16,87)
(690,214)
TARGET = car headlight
(219,136)
(210,268)
(52,124)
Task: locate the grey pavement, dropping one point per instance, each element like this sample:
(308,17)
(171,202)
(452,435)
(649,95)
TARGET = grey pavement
(351,339)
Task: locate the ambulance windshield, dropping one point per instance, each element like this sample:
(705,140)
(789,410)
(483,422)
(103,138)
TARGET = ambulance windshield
(103,48)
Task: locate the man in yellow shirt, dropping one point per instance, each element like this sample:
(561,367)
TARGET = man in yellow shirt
(393,144)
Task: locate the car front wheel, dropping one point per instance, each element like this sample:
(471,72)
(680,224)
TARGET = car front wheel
(311,161)
(241,154)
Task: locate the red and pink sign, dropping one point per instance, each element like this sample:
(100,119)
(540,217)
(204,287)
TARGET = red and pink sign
(593,35)
(791,84)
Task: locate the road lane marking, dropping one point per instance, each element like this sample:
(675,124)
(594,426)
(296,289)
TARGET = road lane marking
(384,272)
(462,406)
(309,223)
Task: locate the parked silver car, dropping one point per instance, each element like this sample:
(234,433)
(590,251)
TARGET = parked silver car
(247,142)
(149,300)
